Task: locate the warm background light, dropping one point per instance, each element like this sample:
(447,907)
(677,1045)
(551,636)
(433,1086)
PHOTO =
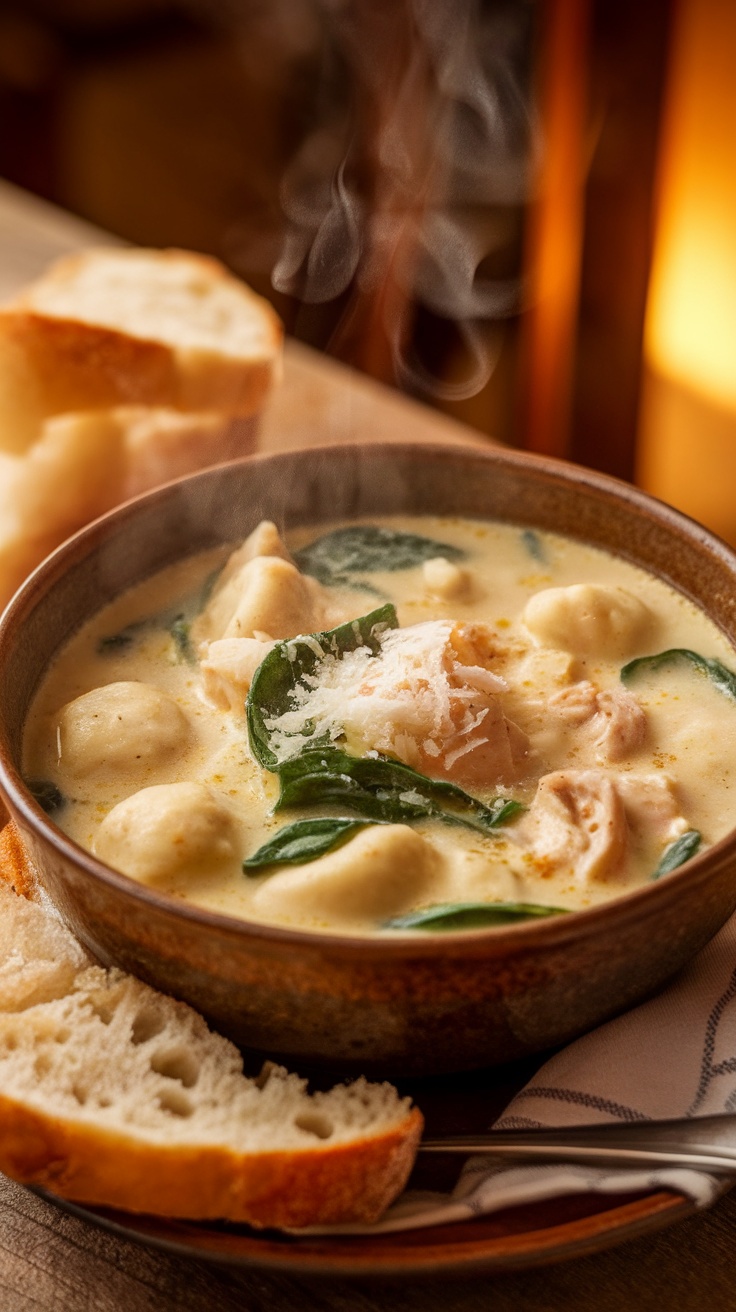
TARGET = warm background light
(687,440)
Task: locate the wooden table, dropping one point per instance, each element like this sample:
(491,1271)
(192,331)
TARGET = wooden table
(52,1262)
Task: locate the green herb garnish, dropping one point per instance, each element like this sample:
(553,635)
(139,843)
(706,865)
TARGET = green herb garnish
(115,642)
(338,557)
(319,773)
(303,841)
(49,797)
(534,546)
(720,676)
(291,661)
(180,630)
(383,789)
(470,915)
(677,853)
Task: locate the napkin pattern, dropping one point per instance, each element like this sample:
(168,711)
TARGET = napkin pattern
(672,1056)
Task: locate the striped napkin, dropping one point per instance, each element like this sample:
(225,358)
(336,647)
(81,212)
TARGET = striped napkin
(673,1056)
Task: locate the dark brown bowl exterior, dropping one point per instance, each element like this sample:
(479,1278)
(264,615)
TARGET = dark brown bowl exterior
(409,1003)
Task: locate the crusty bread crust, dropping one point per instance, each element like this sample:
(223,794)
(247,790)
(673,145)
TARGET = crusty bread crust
(71,365)
(85,365)
(165,444)
(320,1186)
(121,370)
(83,1160)
(15,867)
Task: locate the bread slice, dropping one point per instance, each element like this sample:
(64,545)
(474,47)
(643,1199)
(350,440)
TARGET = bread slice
(72,474)
(116,1095)
(162,444)
(120,370)
(112,327)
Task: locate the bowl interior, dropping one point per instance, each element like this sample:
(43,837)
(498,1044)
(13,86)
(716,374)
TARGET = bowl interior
(316,486)
(383,1003)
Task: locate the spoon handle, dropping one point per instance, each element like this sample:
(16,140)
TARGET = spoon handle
(705,1143)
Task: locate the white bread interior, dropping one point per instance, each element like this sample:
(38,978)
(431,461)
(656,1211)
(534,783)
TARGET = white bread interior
(120,370)
(114,1094)
(124,326)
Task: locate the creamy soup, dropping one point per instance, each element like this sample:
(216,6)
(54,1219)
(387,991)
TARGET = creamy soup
(394,726)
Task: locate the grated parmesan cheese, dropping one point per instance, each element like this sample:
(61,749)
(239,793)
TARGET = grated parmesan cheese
(414,700)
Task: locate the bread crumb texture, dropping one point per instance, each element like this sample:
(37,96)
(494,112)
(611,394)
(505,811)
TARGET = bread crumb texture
(112,1093)
(119,370)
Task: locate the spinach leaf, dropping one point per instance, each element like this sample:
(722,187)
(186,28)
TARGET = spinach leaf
(287,664)
(208,587)
(49,797)
(115,642)
(180,628)
(320,773)
(360,549)
(383,789)
(677,853)
(303,841)
(534,546)
(720,676)
(470,915)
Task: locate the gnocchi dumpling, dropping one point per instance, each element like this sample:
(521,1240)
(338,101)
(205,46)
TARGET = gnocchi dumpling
(122,729)
(381,872)
(589,619)
(168,830)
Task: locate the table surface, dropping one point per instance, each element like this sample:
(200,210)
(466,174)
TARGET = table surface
(53,1262)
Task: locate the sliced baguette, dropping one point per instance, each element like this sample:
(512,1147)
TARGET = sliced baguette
(72,474)
(117,327)
(116,1095)
(163,444)
(120,370)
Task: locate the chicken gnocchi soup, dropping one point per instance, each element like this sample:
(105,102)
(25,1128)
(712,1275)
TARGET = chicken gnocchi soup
(413,726)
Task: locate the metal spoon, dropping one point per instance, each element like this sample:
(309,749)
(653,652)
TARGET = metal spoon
(706,1143)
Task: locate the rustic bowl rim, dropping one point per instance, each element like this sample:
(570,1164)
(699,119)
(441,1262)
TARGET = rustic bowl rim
(506,939)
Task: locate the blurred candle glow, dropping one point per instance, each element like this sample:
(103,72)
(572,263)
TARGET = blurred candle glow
(687,438)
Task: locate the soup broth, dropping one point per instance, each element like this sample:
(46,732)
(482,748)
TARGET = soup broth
(392,726)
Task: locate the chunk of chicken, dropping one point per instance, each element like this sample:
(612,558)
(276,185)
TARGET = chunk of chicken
(611,719)
(483,747)
(227,668)
(267,595)
(425,698)
(652,807)
(576,823)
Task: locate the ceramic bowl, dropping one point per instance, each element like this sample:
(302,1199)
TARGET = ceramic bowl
(405,1003)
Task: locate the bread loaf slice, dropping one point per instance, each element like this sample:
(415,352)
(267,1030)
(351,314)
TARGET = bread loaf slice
(162,444)
(114,1094)
(115,327)
(120,370)
(74,472)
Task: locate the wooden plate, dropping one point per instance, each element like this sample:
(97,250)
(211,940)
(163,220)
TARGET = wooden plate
(533,1235)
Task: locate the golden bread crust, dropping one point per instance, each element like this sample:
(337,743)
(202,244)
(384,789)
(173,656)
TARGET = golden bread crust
(84,1160)
(15,867)
(319,1186)
(83,365)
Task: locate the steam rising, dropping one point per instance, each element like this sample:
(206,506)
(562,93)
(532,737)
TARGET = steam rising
(399,195)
